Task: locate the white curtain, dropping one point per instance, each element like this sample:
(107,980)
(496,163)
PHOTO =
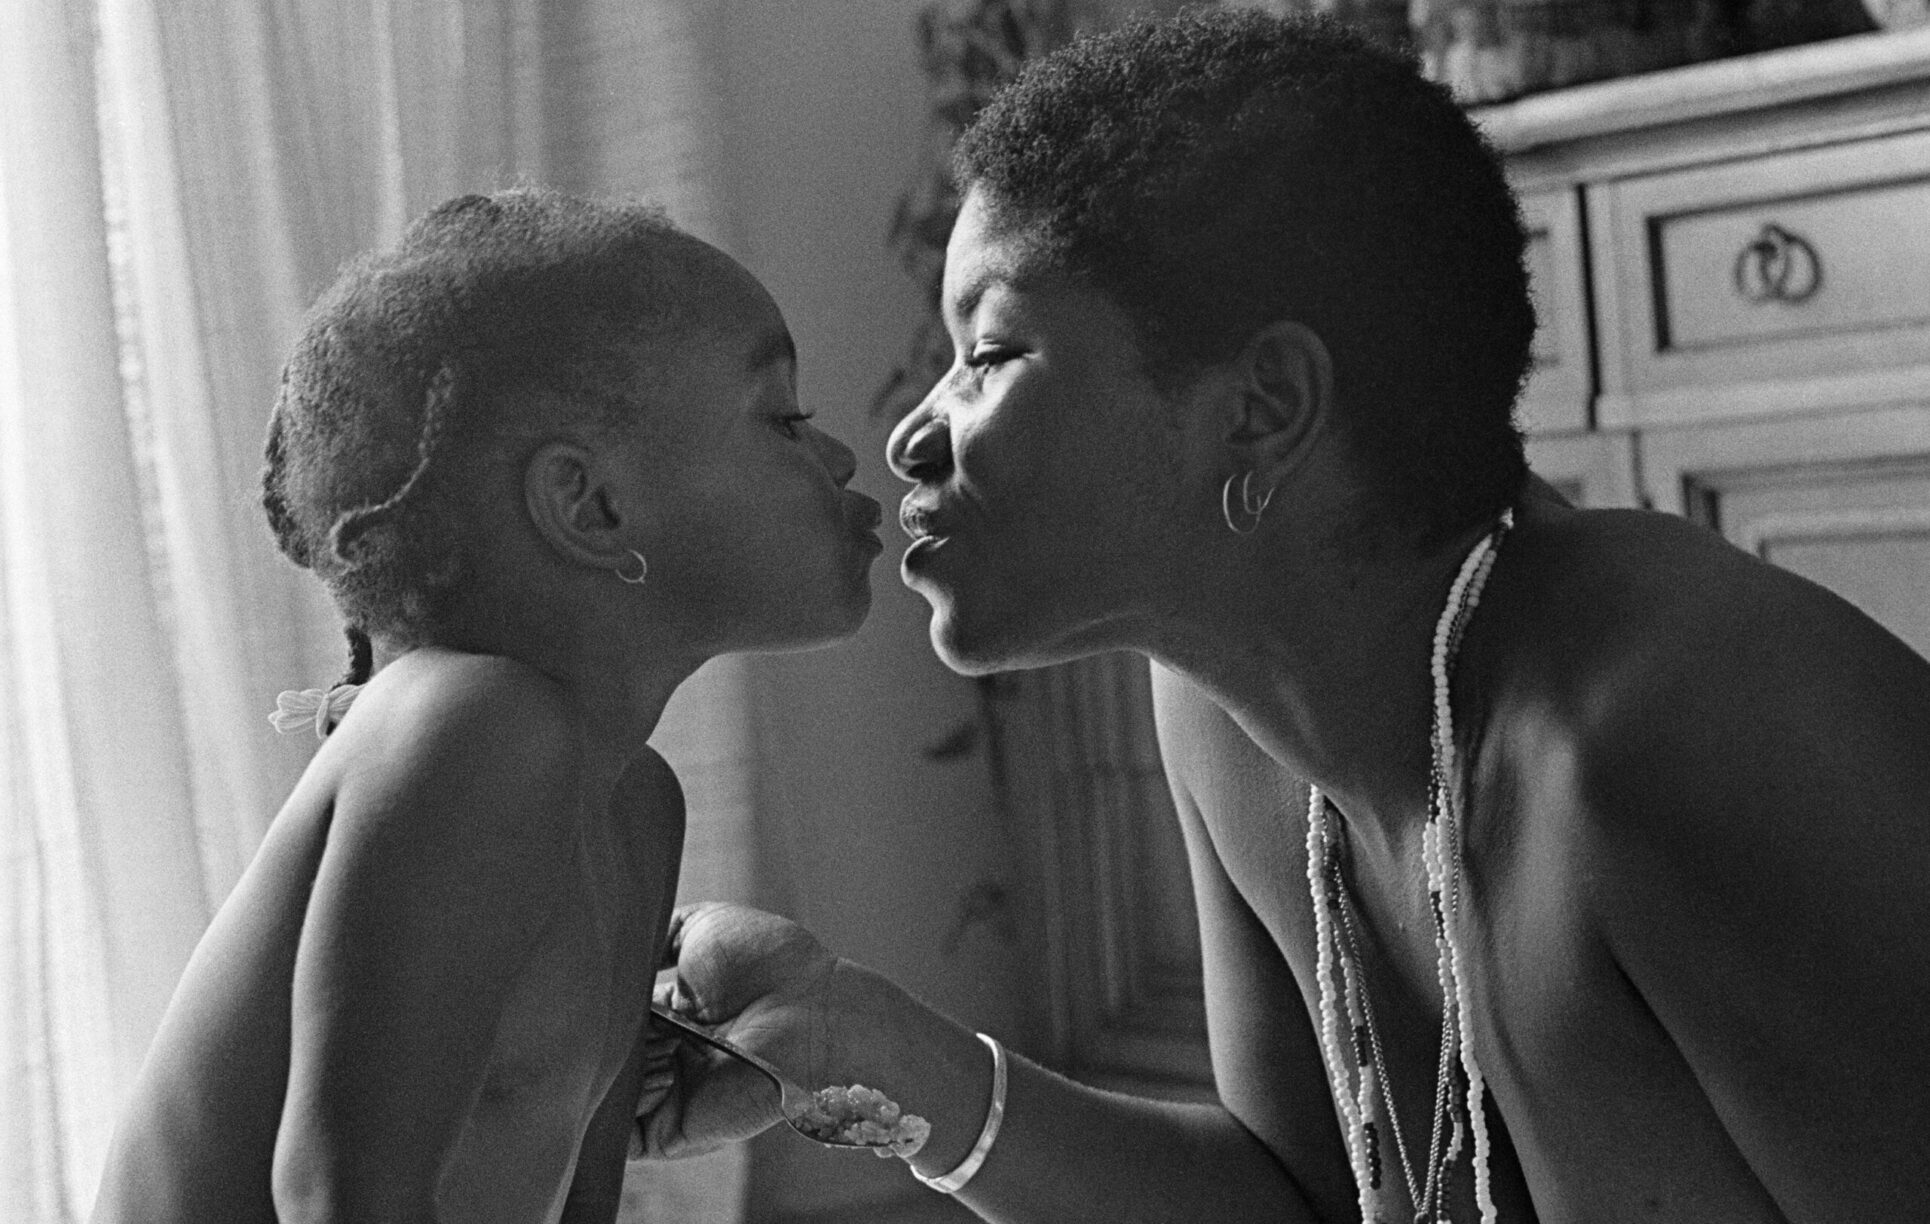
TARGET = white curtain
(176,182)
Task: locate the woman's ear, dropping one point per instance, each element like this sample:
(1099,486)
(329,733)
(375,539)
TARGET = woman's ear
(1286,379)
(573,506)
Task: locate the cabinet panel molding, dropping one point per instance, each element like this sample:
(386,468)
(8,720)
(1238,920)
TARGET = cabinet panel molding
(1844,501)
(1561,383)
(1675,463)
(1594,470)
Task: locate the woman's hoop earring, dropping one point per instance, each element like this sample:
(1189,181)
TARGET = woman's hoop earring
(1251,509)
(643,570)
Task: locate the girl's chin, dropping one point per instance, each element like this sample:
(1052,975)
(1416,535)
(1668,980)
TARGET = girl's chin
(836,622)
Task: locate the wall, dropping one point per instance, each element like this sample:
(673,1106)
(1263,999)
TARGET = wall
(783,132)
(867,841)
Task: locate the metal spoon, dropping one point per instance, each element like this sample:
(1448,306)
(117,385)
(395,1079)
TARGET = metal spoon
(793,1102)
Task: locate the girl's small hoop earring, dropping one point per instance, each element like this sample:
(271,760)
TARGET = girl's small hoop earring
(1250,509)
(643,570)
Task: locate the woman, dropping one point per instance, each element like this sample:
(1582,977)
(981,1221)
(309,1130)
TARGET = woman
(1550,864)
(547,456)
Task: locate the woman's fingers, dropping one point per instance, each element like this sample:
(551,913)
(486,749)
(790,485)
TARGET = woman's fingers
(698,1105)
(681,921)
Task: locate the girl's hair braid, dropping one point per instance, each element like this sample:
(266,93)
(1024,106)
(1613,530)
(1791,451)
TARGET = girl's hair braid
(437,409)
(361,656)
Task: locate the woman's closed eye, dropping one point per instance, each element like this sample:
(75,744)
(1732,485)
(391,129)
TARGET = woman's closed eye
(986,356)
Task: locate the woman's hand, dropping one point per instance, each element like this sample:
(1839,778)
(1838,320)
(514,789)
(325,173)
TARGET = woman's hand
(760,980)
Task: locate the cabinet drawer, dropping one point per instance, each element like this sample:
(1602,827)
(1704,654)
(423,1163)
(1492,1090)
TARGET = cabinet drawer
(1784,284)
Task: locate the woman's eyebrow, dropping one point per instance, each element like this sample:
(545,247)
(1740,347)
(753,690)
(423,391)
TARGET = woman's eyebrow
(973,291)
(1005,270)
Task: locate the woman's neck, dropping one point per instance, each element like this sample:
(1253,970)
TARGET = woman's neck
(1325,662)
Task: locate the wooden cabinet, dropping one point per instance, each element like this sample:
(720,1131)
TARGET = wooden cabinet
(1731,264)
(1757,278)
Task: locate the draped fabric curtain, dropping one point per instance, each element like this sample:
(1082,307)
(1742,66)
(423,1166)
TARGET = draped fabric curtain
(176,182)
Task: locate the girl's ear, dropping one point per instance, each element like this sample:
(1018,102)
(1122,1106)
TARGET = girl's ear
(573,506)
(1286,391)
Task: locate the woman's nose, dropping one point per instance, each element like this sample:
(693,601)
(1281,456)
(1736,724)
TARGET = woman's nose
(920,448)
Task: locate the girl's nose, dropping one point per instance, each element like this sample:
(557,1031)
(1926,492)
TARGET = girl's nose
(839,459)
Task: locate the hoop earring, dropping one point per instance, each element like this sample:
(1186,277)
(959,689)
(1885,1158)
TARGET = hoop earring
(643,570)
(1256,509)
(1249,507)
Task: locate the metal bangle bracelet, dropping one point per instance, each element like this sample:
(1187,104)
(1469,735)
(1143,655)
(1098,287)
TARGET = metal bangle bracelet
(953,1182)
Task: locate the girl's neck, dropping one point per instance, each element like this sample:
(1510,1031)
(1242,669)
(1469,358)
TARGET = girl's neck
(618,695)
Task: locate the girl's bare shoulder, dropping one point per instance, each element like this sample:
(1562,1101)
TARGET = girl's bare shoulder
(447,745)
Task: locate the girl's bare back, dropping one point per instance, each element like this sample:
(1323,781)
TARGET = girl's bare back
(388,988)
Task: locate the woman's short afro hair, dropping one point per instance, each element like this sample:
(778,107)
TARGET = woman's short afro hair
(1223,170)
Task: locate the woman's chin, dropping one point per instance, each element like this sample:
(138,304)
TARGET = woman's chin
(968,648)
(977,637)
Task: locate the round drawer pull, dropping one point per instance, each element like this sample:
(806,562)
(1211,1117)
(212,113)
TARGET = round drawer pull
(1778,266)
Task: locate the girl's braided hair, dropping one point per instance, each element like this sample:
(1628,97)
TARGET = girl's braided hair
(493,315)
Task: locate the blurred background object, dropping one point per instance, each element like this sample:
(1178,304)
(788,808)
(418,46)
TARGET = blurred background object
(967,51)
(1494,50)
(1899,14)
(1487,50)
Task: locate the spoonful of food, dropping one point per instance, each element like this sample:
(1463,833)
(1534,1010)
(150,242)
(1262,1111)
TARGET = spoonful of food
(837,1116)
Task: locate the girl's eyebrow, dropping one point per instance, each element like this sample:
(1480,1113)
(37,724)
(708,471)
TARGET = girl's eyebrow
(772,347)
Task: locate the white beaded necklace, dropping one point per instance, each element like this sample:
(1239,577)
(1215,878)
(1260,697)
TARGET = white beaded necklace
(1336,940)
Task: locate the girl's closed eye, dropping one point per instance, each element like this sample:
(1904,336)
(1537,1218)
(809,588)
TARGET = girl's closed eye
(790,421)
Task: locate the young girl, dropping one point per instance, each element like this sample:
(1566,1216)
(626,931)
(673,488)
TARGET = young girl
(547,457)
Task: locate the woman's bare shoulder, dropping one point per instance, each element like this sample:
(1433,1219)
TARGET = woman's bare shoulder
(1689,703)
(1618,619)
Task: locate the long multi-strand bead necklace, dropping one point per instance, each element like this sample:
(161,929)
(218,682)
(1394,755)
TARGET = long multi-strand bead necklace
(1336,936)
